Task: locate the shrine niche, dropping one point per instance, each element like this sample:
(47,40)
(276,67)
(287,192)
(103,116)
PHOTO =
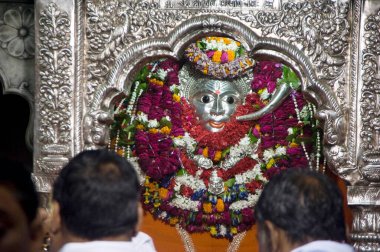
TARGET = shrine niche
(94,56)
(207,132)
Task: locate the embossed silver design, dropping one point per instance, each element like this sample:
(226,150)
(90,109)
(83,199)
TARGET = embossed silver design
(55,92)
(216,185)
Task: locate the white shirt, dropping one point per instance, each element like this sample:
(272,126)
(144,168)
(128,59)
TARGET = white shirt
(324,246)
(140,243)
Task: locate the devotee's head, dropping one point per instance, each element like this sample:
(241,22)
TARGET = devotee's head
(297,207)
(96,196)
(20,229)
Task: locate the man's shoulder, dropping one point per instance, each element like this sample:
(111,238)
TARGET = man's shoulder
(143,241)
(324,246)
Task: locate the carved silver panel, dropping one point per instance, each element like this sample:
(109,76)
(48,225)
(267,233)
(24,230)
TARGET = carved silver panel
(54,97)
(17,55)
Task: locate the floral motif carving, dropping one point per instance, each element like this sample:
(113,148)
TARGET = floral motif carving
(17,32)
(113,25)
(369,108)
(319,28)
(55,60)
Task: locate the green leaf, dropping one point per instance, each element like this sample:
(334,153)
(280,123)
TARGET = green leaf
(252,138)
(181,172)
(230,182)
(289,77)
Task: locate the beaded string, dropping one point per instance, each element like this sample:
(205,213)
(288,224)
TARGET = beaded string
(299,121)
(186,239)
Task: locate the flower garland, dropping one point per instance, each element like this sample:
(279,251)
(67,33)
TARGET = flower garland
(219,57)
(181,160)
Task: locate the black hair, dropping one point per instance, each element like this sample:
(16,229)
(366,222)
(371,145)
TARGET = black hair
(98,194)
(306,205)
(15,177)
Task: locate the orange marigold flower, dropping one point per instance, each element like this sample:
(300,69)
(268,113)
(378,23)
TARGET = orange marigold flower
(165,130)
(293,145)
(205,152)
(216,56)
(207,207)
(196,58)
(153,131)
(173,220)
(220,205)
(176,98)
(231,55)
(218,155)
(140,127)
(238,43)
(120,152)
(226,41)
(163,193)
(257,127)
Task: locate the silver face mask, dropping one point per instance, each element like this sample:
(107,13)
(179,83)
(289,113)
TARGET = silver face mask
(215,102)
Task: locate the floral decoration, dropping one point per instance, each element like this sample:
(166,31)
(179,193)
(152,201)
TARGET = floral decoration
(17,32)
(180,159)
(219,57)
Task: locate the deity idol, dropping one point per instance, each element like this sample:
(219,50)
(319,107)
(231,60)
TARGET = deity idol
(201,167)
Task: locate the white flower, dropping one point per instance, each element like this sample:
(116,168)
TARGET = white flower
(265,94)
(250,202)
(304,114)
(163,215)
(185,203)
(174,87)
(248,176)
(268,154)
(280,151)
(222,230)
(290,131)
(161,74)
(190,181)
(142,117)
(153,123)
(245,141)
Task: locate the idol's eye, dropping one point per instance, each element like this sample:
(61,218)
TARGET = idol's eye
(205,99)
(230,100)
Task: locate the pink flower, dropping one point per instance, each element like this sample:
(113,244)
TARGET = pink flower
(210,54)
(224,57)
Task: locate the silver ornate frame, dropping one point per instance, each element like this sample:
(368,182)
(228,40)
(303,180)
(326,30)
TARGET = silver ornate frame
(88,53)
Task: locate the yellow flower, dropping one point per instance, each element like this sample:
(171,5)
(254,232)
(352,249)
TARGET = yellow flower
(213,230)
(231,55)
(176,98)
(146,193)
(205,152)
(257,127)
(220,205)
(140,127)
(218,155)
(205,70)
(216,56)
(237,43)
(165,130)
(156,204)
(270,163)
(163,192)
(173,220)
(207,207)
(293,145)
(226,41)
(157,82)
(153,131)
(233,230)
(260,91)
(120,152)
